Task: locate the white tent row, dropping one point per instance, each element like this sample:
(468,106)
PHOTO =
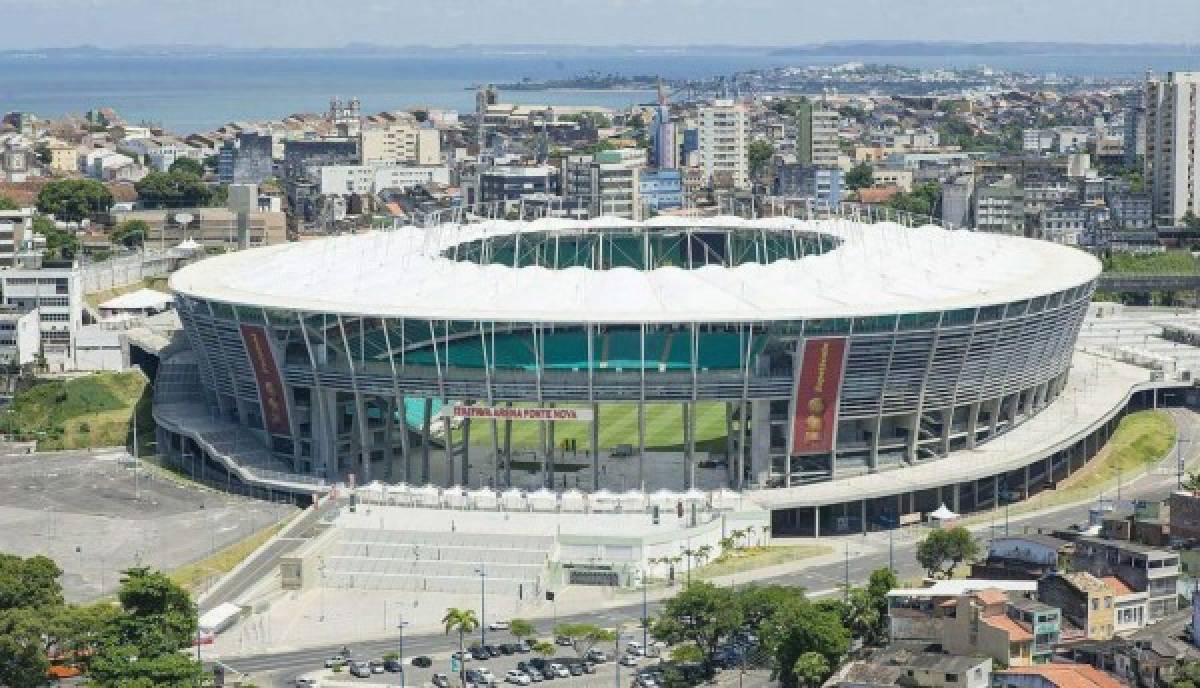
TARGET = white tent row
(543,499)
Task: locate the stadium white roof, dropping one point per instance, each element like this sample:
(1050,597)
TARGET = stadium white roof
(881,268)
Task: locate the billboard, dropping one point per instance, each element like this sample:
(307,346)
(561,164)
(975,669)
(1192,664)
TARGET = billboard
(270,385)
(818,385)
(520,413)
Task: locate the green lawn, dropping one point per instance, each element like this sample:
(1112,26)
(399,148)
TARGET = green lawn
(1167,262)
(619,425)
(1141,439)
(89,411)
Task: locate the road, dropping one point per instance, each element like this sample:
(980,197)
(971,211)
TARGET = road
(819,580)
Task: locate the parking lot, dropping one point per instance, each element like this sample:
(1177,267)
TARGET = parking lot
(95,516)
(565,668)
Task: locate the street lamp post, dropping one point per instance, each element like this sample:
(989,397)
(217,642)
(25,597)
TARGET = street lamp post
(645,616)
(401,626)
(482,605)
(617,658)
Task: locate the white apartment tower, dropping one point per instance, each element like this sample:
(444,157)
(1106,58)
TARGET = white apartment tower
(1172,130)
(722,149)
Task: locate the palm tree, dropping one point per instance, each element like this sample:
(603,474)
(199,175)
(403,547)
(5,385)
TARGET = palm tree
(464,621)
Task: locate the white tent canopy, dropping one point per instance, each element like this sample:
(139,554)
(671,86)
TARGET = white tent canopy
(943,514)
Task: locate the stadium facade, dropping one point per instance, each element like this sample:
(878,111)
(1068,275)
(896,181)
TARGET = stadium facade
(832,348)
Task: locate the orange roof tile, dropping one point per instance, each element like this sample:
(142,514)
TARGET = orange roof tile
(990,596)
(1117,586)
(1015,630)
(1070,675)
(877,194)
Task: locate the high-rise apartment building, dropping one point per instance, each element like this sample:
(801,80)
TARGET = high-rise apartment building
(1172,129)
(400,142)
(722,144)
(817,135)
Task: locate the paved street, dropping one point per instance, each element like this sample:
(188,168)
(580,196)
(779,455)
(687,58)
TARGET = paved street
(866,554)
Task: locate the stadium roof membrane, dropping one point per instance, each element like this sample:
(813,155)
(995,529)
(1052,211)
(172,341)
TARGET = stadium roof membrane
(879,269)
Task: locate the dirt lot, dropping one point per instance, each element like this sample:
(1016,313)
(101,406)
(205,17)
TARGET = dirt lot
(86,510)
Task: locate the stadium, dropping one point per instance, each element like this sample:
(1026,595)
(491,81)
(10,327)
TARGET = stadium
(604,354)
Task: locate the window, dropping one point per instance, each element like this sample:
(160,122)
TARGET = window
(951,678)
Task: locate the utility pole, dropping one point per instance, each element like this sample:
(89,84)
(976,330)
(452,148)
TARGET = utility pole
(617,658)
(892,549)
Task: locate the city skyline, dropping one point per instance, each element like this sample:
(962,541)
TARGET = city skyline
(264,23)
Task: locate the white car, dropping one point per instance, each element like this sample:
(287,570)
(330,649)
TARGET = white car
(520,678)
(487,674)
(498,626)
(635,648)
(629,660)
(560,670)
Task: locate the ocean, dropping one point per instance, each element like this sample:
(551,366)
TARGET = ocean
(188,93)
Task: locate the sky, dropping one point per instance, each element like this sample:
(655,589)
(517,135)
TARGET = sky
(327,23)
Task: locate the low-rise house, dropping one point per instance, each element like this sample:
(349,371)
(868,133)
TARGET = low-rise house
(1057,675)
(1143,569)
(913,666)
(1023,557)
(1013,632)
(1086,603)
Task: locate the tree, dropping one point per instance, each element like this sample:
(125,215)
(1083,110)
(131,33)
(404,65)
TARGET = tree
(1190,220)
(59,242)
(72,200)
(464,621)
(758,156)
(1192,483)
(173,190)
(944,549)
(758,603)
(810,669)
(584,637)
(544,648)
(141,645)
(521,629)
(799,626)
(881,582)
(23,662)
(29,583)
(860,176)
(131,233)
(7,203)
(187,166)
(702,614)
(922,200)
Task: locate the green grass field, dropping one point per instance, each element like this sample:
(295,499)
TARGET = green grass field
(619,425)
(89,411)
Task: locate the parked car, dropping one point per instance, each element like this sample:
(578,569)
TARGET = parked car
(305,683)
(562,640)
(493,650)
(549,674)
(441,681)
(487,674)
(524,646)
(538,663)
(392,666)
(597,656)
(376,666)
(517,677)
(336,660)
(559,670)
(576,668)
(508,649)
(422,662)
(479,652)
(589,667)
(628,660)
(635,648)
(498,626)
(360,669)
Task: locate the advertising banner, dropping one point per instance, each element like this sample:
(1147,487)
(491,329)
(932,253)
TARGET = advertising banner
(520,413)
(818,385)
(270,385)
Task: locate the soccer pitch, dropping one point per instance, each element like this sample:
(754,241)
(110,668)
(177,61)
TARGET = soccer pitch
(619,425)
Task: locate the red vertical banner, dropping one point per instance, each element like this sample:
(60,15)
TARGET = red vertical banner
(818,386)
(270,384)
